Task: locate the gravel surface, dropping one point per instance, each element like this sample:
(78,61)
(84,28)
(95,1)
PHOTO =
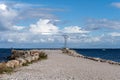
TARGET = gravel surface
(60,66)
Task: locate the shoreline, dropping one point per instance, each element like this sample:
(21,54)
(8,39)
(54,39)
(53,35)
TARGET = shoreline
(74,49)
(75,54)
(72,52)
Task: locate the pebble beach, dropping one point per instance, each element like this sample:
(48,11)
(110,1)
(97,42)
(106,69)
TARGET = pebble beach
(60,66)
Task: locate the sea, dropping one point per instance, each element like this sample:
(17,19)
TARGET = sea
(108,54)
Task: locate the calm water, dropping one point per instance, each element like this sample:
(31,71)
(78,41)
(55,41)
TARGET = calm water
(4,53)
(109,54)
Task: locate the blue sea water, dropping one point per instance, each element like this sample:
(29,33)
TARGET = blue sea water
(4,53)
(109,54)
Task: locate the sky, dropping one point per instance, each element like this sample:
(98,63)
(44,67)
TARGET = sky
(43,23)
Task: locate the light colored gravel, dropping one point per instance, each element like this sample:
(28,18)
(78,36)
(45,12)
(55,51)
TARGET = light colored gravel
(60,66)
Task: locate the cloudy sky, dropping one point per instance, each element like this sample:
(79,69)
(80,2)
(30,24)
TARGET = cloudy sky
(42,23)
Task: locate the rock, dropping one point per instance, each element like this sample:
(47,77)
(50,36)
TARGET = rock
(33,52)
(12,63)
(110,62)
(36,54)
(33,58)
(17,63)
(17,54)
(21,61)
(36,57)
(29,59)
(26,54)
(2,65)
(81,56)
(97,59)
(102,60)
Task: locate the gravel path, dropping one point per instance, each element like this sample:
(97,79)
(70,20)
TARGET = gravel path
(60,66)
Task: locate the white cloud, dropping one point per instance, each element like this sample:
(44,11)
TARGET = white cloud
(115,34)
(43,26)
(3,7)
(116,4)
(46,26)
(10,13)
(97,24)
(74,29)
(12,36)
(10,40)
(33,33)
(7,17)
(92,39)
(18,27)
(25,37)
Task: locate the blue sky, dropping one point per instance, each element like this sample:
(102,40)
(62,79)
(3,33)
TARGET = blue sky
(41,23)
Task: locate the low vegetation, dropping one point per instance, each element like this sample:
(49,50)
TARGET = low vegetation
(65,50)
(42,55)
(4,69)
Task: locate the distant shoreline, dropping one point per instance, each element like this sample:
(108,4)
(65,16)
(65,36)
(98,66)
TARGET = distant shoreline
(59,48)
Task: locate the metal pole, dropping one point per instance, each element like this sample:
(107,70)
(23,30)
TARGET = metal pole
(65,40)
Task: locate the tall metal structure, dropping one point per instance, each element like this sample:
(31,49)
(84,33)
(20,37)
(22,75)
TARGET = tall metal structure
(65,40)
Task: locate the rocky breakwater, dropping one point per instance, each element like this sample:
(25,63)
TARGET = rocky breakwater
(75,54)
(21,58)
(71,53)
